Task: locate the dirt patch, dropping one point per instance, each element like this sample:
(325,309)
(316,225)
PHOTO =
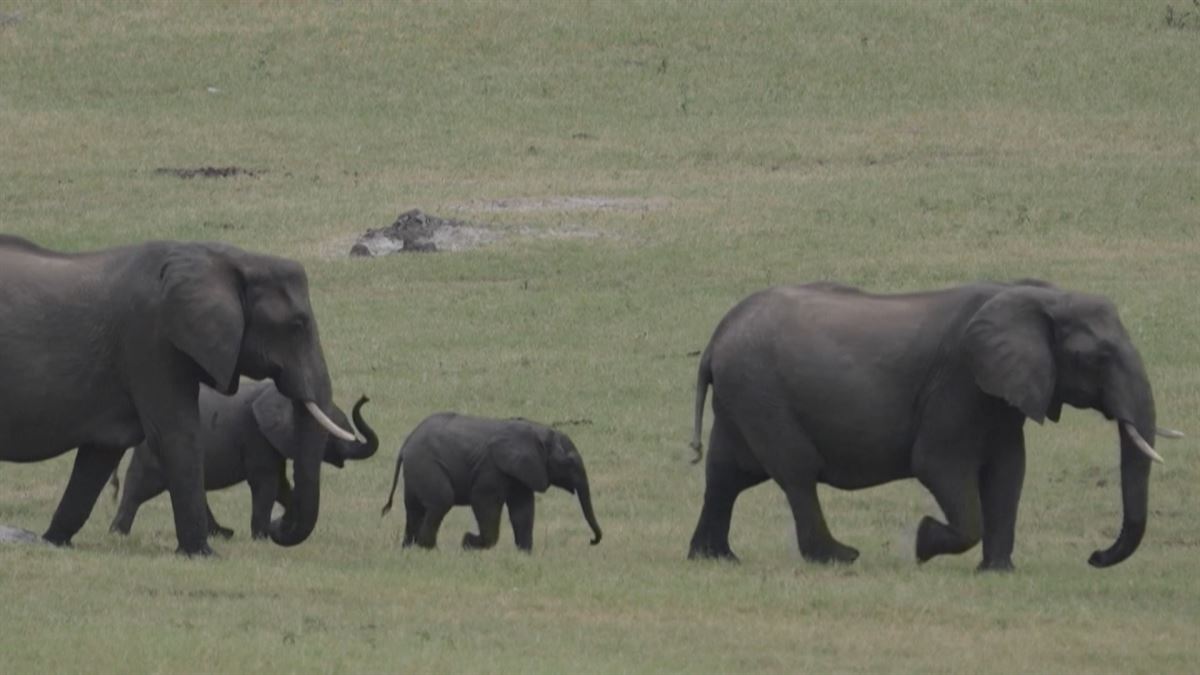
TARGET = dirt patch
(418,232)
(17,535)
(565,203)
(207,172)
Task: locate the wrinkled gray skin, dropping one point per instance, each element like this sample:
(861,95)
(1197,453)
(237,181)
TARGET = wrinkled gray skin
(107,349)
(458,460)
(244,437)
(826,384)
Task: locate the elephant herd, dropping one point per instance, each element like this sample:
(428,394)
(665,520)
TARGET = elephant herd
(145,346)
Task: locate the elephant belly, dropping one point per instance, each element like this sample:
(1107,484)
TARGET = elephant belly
(34,439)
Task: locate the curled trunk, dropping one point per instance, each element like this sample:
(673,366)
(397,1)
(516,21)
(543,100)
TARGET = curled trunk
(370,444)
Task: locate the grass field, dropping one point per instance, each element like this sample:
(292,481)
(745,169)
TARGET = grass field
(890,145)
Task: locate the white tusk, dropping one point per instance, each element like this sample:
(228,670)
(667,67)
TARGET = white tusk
(334,429)
(1168,433)
(1141,442)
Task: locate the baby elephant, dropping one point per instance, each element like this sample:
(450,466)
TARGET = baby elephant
(457,459)
(244,437)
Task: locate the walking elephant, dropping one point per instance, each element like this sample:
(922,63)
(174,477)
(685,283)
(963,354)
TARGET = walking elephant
(101,351)
(487,463)
(244,437)
(824,383)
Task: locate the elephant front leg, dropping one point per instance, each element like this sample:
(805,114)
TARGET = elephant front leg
(92,468)
(1000,492)
(956,489)
(487,515)
(215,529)
(520,514)
(264,491)
(183,464)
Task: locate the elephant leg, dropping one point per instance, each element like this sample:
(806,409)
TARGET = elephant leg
(487,509)
(141,485)
(93,466)
(724,481)
(812,532)
(956,489)
(414,513)
(520,514)
(1000,492)
(264,491)
(215,529)
(434,514)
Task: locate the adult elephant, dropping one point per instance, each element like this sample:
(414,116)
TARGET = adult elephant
(104,350)
(824,383)
(244,437)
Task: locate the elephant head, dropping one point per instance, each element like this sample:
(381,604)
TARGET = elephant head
(1038,347)
(274,415)
(240,314)
(552,460)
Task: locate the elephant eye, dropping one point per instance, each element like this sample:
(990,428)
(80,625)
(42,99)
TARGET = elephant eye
(298,323)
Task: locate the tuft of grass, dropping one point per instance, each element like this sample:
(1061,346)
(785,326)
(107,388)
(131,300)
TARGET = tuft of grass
(895,146)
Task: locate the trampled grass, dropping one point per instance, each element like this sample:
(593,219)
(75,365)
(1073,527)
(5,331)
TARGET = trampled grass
(895,146)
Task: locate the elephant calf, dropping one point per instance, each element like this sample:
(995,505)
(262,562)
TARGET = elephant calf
(456,460)
(245,437)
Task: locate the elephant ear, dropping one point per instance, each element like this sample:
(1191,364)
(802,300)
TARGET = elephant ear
(1008,348)
(521,457)
(201,311)
(276,418)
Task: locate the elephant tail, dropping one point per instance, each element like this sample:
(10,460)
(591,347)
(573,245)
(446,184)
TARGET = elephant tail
(395,481)
(703,379)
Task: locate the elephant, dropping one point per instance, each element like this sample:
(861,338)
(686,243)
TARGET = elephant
(459,460)
(105,350)
(244,437)
(825,383)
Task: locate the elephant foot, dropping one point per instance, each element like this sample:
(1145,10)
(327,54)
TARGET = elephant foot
(473,542)
(1004,565)
(61,542)
(119,528)
(204,551)
(712,553)
(257,535)
(222,532)
(837,553)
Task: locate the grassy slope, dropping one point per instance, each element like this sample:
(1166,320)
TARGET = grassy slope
(893,146)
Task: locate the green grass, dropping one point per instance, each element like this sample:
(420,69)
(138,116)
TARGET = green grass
(895,145)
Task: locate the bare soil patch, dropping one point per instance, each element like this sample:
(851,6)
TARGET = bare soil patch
(564,203)
(418,232)
(18,535)
(207,172)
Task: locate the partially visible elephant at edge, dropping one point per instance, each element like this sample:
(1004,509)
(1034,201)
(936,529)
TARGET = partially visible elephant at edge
(824,383)
(244,437)
(459,460)
(107,349)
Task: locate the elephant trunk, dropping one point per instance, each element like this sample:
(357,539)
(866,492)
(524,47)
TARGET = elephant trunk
(300,518)
(585,503)
(370,443)
(1133,429)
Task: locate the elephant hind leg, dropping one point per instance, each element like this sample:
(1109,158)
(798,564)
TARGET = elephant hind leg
(92,468)
(724,480)
(812,533)
(141,485)
(414,513)
(956,489)
(431,523)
